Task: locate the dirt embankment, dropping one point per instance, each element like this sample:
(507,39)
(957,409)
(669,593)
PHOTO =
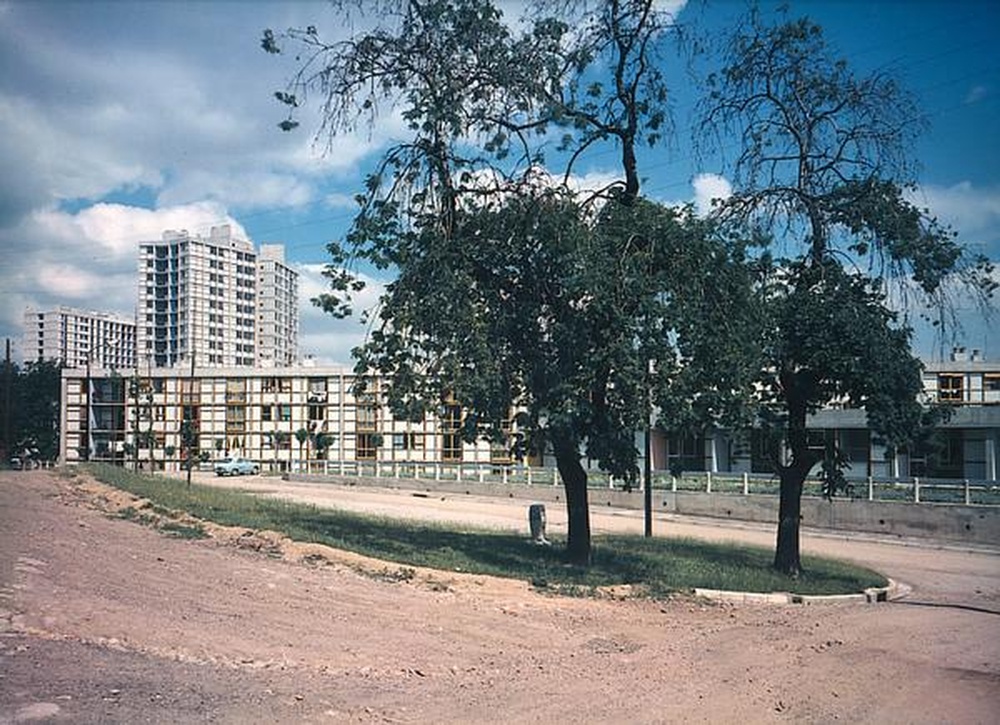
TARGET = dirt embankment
(103,620)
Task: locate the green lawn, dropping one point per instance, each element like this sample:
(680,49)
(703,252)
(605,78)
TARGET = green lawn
(661,565)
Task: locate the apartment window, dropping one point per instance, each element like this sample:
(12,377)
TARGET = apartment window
(991,382)
(451,438)
(407,442)
(316,412)
(265,413)
(236,418)
(285,413)
(367,448)
(950,388)
(687,453)
(236,390)
(317,390)
(190,391)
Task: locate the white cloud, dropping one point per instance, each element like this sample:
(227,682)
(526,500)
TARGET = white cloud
(974,212)
(87,259)
(322,336)
(708,188)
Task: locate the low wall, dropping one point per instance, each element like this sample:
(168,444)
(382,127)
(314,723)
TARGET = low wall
(979,525)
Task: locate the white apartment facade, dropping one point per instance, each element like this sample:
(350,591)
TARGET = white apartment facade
(277,309)
(251,412)
(78,337)
(257,412)
(198,301)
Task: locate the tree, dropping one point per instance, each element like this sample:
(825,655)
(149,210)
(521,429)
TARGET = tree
(35,409)
(302,436)
(322,442)
(190,446)
(821,168)
(512,293)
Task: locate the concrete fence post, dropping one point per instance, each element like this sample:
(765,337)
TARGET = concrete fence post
(916,490)
(968,492)
(746,483)
(708,482)
(871,488)
(528,471)
(555,476)
(503,475)
(673,483)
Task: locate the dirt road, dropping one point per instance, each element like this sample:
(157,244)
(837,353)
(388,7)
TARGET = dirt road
(104,620)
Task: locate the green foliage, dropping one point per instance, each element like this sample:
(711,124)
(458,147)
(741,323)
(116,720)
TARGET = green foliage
(822,167)
(511,292)
(33,415)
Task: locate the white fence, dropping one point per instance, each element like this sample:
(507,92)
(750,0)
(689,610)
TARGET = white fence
(914,490)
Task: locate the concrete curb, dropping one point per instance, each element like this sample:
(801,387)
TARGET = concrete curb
(895,590)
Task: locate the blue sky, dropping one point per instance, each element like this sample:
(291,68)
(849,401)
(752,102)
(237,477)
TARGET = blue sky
(119,120)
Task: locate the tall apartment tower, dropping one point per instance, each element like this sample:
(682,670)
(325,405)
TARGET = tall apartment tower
(277,309)
(78,337)
(199,301)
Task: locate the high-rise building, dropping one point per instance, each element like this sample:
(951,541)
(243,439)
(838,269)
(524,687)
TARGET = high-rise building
(198,301)
(277,309)
(78,337)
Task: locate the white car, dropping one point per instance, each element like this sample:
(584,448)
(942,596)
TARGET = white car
(235,467)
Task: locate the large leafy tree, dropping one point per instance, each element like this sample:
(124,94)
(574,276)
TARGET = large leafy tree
(821,168)
(512,293)
(32,392)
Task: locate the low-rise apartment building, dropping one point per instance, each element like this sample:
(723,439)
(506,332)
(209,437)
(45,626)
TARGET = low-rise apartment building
(261,414)
(255,413)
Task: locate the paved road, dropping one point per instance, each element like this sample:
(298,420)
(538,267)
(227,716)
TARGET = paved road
(940,575)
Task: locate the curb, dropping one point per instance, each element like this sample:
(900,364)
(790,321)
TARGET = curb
(895,590)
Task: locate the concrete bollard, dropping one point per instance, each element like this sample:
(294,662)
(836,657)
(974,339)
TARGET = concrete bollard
(536,522)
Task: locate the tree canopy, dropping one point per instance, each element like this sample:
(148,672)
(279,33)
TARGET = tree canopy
(33,415)
(578,314)
(822,167)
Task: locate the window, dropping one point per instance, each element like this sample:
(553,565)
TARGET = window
(316,412)
(451,438)
(950,388)
(367,426)
(317,390)
(407,442)
(235,418)
(285,413)
(367,449)
(265,412)
(686,453)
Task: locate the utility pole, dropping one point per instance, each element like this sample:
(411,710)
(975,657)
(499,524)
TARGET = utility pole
(8,384)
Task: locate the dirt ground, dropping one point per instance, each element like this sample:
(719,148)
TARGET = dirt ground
(104,620)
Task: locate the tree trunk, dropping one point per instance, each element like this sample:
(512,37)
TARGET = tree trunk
(793,476)
(786,554)
(577,508)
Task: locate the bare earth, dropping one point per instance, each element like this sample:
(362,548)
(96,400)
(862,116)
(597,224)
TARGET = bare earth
(103,620)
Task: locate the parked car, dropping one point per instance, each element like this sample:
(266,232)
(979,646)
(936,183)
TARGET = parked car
(235,467)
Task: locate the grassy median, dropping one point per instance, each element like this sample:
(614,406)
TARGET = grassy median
(660,565)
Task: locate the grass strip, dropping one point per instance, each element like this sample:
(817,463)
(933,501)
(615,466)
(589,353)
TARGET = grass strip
(661,566)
